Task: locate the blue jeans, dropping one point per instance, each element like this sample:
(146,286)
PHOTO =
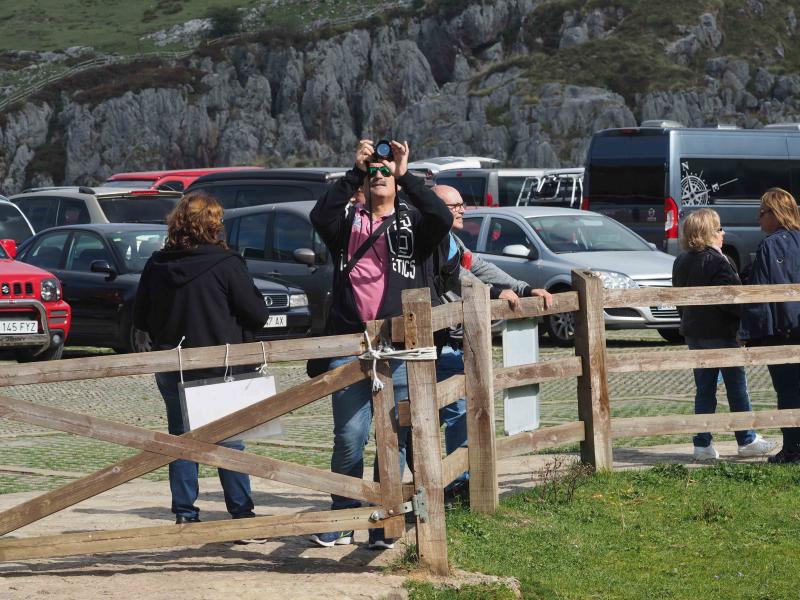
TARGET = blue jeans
(352,419)
(705,380)
(453,416)
(183,473)
(786,381)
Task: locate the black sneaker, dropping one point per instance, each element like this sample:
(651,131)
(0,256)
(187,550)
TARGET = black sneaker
(785,457)
(378,540)
(456,494)
(181,519)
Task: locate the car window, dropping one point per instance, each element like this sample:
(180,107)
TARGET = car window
(41,211)
(271,193)
(136,247)
(469,235)
(46,251)
(86,248)
(502,233)
(12,224)
(290,232)
(251,240)
(472,189)
(72,212)
(508,188)
(174,185)
(137,210)
(589,233)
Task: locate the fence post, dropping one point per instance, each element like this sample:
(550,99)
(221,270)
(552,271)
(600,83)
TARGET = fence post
(479,384)
(431,533)
(386,446)
(590,345)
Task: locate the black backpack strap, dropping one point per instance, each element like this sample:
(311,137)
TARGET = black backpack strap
(362,249)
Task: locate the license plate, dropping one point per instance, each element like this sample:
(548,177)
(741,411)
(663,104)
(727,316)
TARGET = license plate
(276,321)
(19,327)
(667,307)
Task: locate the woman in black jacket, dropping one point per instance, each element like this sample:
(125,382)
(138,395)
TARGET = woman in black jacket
(714,326)
(198,290)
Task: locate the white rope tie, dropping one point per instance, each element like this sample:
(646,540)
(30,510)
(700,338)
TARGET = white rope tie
(225,376)
(385,352)
(180,358)
(263,368)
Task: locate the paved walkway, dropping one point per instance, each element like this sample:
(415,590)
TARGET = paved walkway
(281,569)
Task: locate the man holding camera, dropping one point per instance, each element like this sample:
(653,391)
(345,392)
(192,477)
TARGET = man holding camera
(381,247)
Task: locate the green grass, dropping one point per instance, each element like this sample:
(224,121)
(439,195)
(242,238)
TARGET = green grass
(727,531)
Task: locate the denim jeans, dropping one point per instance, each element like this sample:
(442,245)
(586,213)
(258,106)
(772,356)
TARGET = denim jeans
(786,381)
(183,473)
(705,399)
(453,416)
(352,419)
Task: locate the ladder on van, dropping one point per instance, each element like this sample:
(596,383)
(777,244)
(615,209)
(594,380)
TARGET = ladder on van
(528,190)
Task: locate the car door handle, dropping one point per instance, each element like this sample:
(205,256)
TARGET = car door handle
(273,273)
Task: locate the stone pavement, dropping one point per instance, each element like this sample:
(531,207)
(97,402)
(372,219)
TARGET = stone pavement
(281,569)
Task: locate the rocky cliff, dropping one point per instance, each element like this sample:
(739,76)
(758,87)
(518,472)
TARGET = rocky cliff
(521,80)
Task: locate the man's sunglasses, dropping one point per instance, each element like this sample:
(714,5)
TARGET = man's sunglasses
(385,171)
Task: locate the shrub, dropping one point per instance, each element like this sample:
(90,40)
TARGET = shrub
(225,20)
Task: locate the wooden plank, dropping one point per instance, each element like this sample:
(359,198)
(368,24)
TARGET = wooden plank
(387,450)
(136,466)
(167,360)
(454,464)
(687,296)
(561,368)
(431,534)
(647,426)
(175,447)
(533,306)
(447,392)
(168,536)
(590,345)
(443,316)
(690,359)
(549,437)
(484,492)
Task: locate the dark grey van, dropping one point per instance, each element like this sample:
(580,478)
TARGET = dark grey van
(253,187)
(651,178)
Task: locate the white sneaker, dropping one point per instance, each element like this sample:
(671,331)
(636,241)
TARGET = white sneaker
(758,447)
(705,453)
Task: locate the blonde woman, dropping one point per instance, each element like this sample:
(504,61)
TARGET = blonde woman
(778,261)
(714,326)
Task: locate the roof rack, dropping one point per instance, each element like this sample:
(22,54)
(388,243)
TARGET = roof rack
(662,123)
(783,126)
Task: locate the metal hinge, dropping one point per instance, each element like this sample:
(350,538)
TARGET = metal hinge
(418,505)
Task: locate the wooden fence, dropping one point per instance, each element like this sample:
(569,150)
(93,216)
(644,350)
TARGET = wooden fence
(389,498)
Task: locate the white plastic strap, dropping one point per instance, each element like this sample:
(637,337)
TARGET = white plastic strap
(225,376)
(263,368)
(384,352)
(180,358)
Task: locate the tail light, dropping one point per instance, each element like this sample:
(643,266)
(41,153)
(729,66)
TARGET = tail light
(670,219)
(585,203)
(145,192)
(489,200)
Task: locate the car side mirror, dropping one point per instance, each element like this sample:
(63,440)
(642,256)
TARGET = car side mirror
(652,245)
(521,251)
(102,266)
(305,256)
(10,246)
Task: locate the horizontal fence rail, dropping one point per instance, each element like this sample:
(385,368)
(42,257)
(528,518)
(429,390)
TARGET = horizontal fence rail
(714,294)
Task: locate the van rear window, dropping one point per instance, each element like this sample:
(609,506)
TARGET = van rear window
(621,183)
(472,189)
(137,210)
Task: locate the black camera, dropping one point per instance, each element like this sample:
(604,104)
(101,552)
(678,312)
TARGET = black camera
(383,151)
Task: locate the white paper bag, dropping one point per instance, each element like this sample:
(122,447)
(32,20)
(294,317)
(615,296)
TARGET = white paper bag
(207,400)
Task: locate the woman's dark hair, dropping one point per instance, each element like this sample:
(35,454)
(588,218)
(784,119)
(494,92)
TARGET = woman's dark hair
(195,220)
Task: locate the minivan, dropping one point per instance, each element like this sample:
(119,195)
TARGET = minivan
(253,187)
(488,187)
(651,177)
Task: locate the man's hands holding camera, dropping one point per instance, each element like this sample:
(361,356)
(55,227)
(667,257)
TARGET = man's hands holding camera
(397,152)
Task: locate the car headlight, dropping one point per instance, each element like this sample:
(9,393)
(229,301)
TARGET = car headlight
(296,300)
(50,290)
(615,281)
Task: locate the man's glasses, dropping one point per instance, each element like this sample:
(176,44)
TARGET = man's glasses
(459,206)
(385,171)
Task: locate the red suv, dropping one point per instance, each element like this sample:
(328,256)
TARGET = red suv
(34,320)
(175,179)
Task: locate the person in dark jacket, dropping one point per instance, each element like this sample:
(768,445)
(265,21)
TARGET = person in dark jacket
(397,260)
(198,291)
(777,323)
(714,326)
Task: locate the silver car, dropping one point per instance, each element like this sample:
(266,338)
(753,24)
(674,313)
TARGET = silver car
(542,245)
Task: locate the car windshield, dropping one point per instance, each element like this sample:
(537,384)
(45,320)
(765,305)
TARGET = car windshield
(135,247)
(585,233)
(129,183)
(12,224)
(144,209)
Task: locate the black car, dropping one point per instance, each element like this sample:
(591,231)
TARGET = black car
(99,267)
(278,240)
(252,187)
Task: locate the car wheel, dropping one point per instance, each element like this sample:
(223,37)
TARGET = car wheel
(672,335)
(561,328)
(26,355)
